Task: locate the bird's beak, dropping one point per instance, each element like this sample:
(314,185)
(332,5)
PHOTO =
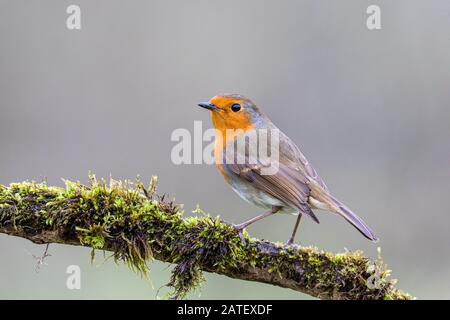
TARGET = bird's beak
(208,106)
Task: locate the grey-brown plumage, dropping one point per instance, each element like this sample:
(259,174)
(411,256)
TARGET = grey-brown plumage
(294,188)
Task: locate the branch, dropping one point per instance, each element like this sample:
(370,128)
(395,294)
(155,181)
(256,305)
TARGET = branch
(137,225)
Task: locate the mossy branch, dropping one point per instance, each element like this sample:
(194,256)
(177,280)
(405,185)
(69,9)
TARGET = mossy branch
(135,224)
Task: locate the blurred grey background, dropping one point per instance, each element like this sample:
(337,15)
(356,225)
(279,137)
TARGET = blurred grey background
(370,109)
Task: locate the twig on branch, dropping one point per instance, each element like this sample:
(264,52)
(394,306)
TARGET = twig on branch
(137,226)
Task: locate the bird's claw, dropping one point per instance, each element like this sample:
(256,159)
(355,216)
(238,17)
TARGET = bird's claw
(290,242)
(240,230)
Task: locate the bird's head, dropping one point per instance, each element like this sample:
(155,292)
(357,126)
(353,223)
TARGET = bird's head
(233,111)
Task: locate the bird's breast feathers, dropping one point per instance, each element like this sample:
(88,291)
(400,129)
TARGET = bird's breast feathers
(289,185)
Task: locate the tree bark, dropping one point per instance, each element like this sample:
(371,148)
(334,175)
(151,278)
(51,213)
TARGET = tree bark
(137,225)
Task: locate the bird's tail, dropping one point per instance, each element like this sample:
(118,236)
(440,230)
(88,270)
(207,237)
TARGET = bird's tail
(338,207)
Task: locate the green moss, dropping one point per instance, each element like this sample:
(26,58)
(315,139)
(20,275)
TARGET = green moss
(137,225)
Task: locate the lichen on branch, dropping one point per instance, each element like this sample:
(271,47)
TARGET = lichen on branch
(136,225)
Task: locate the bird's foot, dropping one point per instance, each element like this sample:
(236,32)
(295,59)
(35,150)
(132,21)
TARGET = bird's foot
(290,242)
(240,229)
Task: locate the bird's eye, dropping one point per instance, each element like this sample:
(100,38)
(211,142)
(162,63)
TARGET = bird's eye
(235,107)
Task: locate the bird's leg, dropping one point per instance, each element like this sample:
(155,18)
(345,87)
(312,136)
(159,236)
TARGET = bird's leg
(245,224)
(240,227)
(291,239)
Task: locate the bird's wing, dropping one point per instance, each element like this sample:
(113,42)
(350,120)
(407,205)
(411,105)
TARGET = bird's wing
(292,157)
(286,184)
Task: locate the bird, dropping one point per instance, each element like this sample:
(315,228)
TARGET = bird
(293,188)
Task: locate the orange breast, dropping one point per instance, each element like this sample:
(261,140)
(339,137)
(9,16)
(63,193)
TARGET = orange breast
(220,145)
(218,153)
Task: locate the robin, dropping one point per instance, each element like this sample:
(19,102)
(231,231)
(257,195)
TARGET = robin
(295,187)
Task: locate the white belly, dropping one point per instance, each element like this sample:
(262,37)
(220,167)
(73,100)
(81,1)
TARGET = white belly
(259,198)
